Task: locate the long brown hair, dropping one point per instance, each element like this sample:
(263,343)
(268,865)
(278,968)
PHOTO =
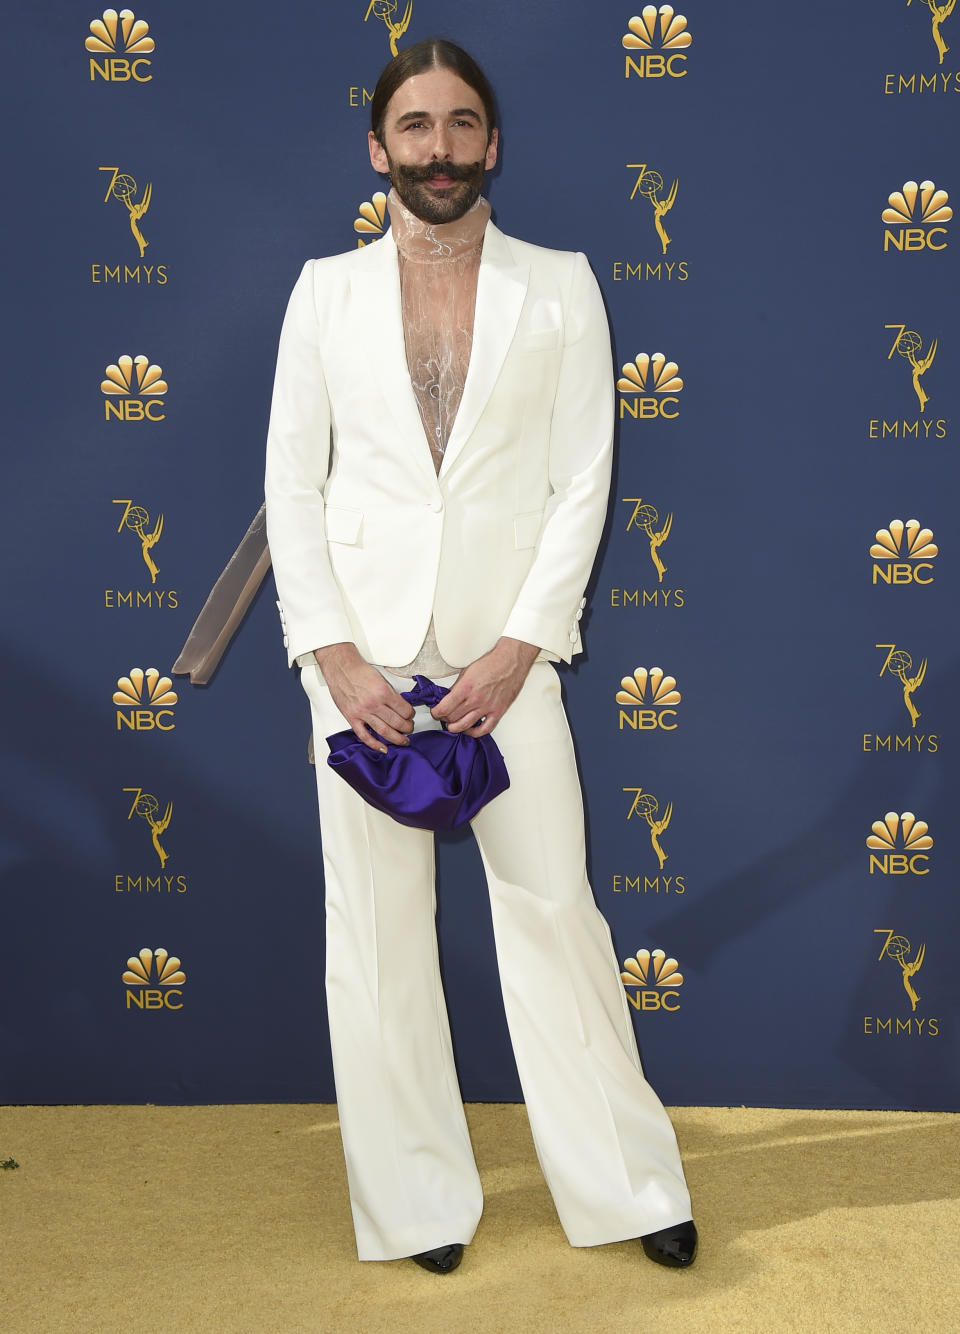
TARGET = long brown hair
(431,53)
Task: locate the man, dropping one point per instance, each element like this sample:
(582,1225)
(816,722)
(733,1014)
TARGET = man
(438,469)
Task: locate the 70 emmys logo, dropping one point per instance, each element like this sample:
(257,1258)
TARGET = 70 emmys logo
(898,949)
(116,33)
(922,205)
(659,46)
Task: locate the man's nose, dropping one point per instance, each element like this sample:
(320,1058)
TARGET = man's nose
(440,145)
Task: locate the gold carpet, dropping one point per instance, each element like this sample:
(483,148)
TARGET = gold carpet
(234,1220)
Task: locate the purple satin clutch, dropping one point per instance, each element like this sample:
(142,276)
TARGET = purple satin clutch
(438,781)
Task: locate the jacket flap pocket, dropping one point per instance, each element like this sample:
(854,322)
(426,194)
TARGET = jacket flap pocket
(537,340)
(526,529)
(343,525)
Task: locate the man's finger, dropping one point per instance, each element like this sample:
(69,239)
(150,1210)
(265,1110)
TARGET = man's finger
(363,734)
(484,727)
(471,718)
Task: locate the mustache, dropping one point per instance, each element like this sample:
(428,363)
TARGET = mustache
(455,171)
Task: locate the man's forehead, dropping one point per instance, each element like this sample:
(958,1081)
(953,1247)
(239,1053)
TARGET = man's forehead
(436,91)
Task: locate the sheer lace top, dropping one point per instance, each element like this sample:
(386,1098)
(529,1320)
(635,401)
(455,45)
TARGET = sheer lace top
(439,265)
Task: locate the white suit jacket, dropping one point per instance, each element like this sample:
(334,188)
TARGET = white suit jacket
(367,541)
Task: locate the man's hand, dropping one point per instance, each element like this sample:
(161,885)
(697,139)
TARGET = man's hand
(364,697)
(484,691)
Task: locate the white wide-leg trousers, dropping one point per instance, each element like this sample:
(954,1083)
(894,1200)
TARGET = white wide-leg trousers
(604,1141)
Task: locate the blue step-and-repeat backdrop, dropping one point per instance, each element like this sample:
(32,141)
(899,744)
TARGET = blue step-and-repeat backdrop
(766,714)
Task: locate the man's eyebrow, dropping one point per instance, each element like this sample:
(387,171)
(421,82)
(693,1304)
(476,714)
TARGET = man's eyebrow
(425,115)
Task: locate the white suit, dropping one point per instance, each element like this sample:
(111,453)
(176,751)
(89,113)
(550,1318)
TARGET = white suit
(368,543)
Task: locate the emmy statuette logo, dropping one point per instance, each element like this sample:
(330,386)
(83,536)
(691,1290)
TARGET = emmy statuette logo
(939,13)
(646,805)
(646,522)
(908,347)
(652,981)
(899,664)
(646,518)
(135,519)
(905,832)
(387,11)
(145,701)
(917,214)
(396,23)
(118,45)
(649,387)
(648,185)
(655,42)
(132,390)
(154,980)
(146,806)
(903,540)
(371,219)
(898,950)
(648,701)
(123,189)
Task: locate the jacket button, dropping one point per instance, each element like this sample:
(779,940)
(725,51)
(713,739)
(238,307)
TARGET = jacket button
(436,505)
(573,636)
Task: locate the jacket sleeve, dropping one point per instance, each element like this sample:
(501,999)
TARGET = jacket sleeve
(548,606)
(298,459)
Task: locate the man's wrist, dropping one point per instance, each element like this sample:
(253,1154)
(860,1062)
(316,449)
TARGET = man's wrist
(336,655)
(524,653)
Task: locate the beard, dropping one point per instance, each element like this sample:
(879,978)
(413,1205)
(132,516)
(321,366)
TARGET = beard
(432,206)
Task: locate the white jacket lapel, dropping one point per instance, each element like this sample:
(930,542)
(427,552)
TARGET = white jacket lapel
(501,289)
(375,289)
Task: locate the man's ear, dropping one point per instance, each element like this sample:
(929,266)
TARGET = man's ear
(491,157)
(378,156)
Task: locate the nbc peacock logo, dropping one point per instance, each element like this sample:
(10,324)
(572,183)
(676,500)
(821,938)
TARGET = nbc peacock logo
(371,219)
(652,981)
(917,215)
(648,700)
(145,701)
(154,981)
(648,388)
(656,41)
(903,842)
(133,390)
(903,553)
(118,45)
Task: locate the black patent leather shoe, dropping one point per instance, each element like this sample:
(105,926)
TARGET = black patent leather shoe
(443,1260)
(674,1246)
